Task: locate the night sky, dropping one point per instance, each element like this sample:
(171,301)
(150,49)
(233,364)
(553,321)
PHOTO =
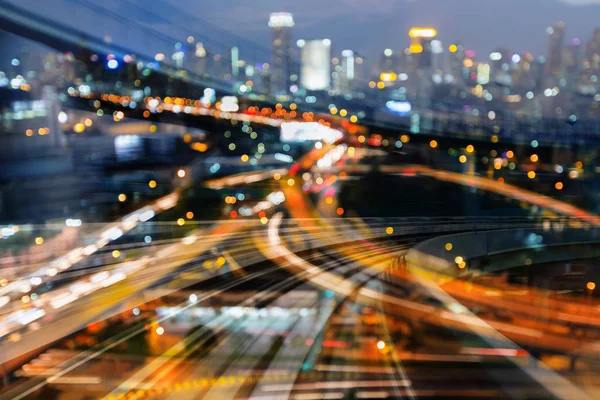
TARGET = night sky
(366,26)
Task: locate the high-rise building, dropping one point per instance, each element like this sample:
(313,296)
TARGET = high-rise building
(390,62)
(348,72)
(556,33)
(281,24)
(572,61)
(500,60)
(457,58)
(521,71)
(315,64)
(201,57)
(421,47)
(592,51)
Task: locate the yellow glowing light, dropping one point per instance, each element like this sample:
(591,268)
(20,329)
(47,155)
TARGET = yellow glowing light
(3,282)
(116,253)
(290,182)
(79,127)
(416,48)
(351,152)
(458,259)
(333,110)
(189,215)
(29,132)
(448,246)
(558,185)
(244,158)
(510,154)
(534,158)
(329,200)
(201,147)
(277,176)
(494,139)
(462,265)
(319,181)
(181,173)
(122,197)
(380,85)
(579,164)
(531,174)
(220,262)
(152,184)
(264,220)
(354,119)
(462,159)
(343,112)
(372,84)
(181,222)
(388,77)
(591,285)
(470,148)
(25,299)
(468,63)
(389,230)
(404,138)
(361,139)
(433,144)
(422,32)
(88,122)
(39,240)
(453,48)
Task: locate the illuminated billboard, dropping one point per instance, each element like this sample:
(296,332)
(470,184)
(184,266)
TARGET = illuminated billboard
(422,33)
(297,132)
(281,20)
(315,67)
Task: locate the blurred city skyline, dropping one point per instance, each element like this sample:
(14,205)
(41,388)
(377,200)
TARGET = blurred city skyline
(369,27)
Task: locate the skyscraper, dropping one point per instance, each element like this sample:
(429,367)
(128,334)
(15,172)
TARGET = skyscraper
(500,60)
(281,24)
(315,65)
(457,58)
(572,61)
(421,47)
(556,33)
(592,51)
(348,72)
(389,62)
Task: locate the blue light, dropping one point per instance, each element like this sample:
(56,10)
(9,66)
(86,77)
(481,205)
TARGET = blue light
(112,64)
(400,107)
(15,62)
